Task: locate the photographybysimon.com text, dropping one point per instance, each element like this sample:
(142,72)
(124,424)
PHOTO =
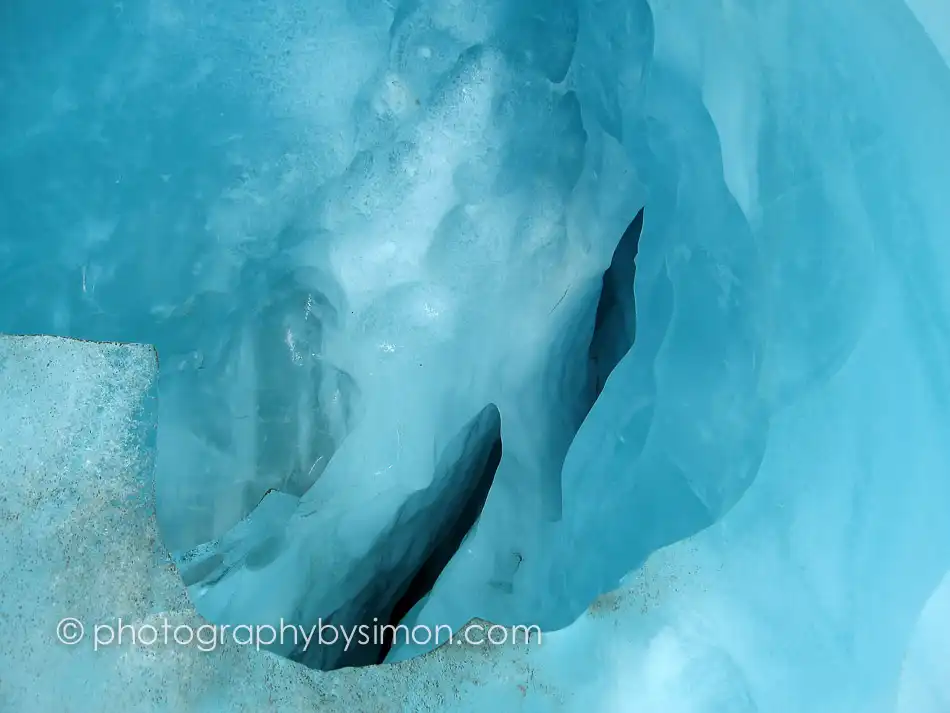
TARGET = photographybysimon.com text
(207,637)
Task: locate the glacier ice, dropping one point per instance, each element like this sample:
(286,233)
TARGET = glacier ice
(924,681)
(77,440)
(369,241)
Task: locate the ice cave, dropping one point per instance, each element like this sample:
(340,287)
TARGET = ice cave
(628,320)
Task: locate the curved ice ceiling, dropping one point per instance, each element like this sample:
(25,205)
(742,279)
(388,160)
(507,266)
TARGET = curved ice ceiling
(370,244)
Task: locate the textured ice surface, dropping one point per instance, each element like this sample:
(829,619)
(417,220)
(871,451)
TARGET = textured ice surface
(80,540)
(355,231)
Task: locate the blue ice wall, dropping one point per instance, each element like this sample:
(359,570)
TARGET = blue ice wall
(349,229)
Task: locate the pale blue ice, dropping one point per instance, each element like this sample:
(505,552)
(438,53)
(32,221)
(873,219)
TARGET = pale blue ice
(368,241)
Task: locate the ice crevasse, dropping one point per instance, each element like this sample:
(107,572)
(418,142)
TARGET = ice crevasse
(623,319)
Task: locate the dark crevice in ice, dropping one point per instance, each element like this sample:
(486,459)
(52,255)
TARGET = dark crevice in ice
(451,538)
(429,530)
(482,465)
(616,322)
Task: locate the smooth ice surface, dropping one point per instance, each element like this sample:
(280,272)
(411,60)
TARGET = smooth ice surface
(351,230)
(925,677)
